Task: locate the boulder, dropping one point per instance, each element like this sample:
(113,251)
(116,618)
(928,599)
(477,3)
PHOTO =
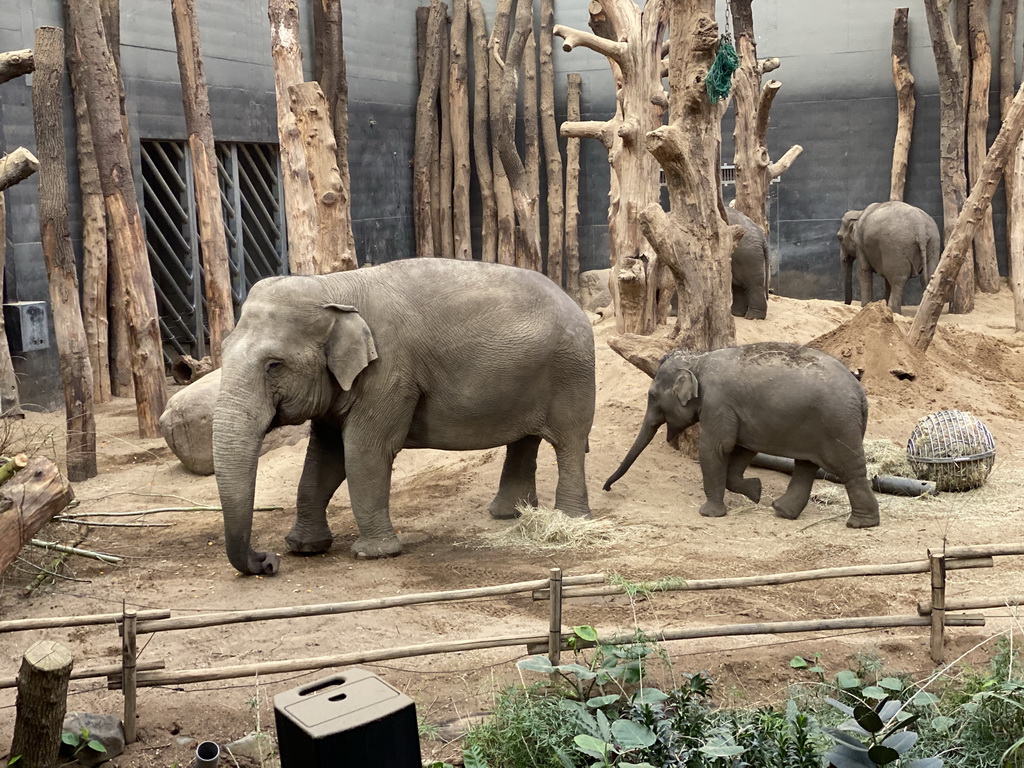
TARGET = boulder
(187,426)
(106,729)
(594,293)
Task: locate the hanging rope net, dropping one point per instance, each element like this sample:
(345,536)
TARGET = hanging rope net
(719,79)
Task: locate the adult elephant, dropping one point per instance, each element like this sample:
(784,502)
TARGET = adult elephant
(894,239)
(777,398)
(750,269)
(418,353)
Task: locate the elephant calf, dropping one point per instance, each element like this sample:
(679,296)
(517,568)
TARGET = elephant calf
(777,398)
(750,269)
(419,353)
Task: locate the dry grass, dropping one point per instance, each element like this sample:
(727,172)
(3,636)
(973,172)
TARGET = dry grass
(885,457)
(540,528)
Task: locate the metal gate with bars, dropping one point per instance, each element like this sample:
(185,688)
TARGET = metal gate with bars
(251,203)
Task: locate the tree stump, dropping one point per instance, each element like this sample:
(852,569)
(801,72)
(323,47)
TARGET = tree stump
(41,704)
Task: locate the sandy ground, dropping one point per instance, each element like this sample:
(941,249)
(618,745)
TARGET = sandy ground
(439,505)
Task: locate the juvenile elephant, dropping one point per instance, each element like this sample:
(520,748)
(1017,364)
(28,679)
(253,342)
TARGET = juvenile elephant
(894,239)
(750,269)
(419,353)
(777,398)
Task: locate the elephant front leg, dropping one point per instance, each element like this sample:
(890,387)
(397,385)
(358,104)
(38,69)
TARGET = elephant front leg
(369,487)
(322,475)
(864,277)
(714,471)
(790,504)
(750,487)
(863,504)
(518,478)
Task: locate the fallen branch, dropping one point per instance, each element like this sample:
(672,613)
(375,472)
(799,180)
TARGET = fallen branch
(31,499)
(52,545)
(198,508)
(75,521)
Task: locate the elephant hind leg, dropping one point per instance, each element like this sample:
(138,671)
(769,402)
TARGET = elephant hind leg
(757,303)
(790,504)
(518,478)
(863,504)
(571,491)
(750,487)
(739,301)
(322,474)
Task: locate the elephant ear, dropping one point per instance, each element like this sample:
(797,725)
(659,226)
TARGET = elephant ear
(350,346)
(685,387)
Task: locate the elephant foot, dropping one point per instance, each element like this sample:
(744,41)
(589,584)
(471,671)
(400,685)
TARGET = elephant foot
(751,488)
(371,549)
(712,509)
(503,507)
(758,315)
(863,520)
(308,545)
(785,511)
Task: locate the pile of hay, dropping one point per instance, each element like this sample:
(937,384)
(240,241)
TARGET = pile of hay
(540,528)
(885,457)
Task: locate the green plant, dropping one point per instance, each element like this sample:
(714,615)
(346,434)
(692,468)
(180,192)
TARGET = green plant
(13,760)
(80,741)
(875,735)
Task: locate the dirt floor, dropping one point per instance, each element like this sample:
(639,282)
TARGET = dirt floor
(439,504)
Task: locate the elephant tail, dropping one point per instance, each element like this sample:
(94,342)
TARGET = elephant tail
(931,251)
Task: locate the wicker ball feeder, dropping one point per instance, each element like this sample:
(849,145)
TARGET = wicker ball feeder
(953,449)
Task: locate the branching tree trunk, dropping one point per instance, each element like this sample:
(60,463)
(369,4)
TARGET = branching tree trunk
(552,153)
(630,38)
(458,90)
(69,332)
(904,82)
(127,238)
(220,314)
(426,139)
(986,266)
(1007,84)
(481,134)
(10,406)
(693,238)
(15,64)
(754,167)
(572,188)
(329,69)
(506,214)
(954,255)
(953,179)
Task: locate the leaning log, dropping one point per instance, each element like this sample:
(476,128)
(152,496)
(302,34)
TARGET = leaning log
(30,500)
(17,166)
(903,79)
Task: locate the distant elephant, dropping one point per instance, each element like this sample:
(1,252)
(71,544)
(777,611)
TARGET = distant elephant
(777,398)
(894,239)
(418,353)
(750,269)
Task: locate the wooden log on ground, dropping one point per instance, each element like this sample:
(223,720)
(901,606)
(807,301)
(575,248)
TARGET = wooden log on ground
(1007,85)
(458,96)
(59,258)
(36,494)
(16,167)
(10,406)
(125,225)
(481,134)
(220,313)
(312,120)
(552,154)
(426,135)
(41,705)
(903,79)
(954,255)
(15,64)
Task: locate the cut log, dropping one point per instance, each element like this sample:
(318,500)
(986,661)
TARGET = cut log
(1007,84)
(186,369)
(16,167)
(15,64)
(954,255)
(426,138)
(552,153)
(220,313)
(10,406)
(32,498)
(644,352)
(905,102)
(458,95)
(62,276)
(505,208)
(481,134)
(41,704)
(572,189)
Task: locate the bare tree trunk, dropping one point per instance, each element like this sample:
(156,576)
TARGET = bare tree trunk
(330,70)
(17,167)
(94,234)
(446,156)
(129,243)
(1007,83)
(572,189)
(954,255)
(506,214)
(481,134)
(986,266)
(312,120)
(458,88)
(904,82)
(1015,258)
(552,153)
(425,142)
(531,135)
(693,239)
(42,703)
(15,64)
(10,406)
(220,313)
(948,61)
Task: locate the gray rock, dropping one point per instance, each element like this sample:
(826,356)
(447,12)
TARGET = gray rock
(594,293)
(106,729)
(257,746)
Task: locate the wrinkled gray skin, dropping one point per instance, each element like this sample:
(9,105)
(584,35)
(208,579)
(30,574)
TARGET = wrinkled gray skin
(894,239)
(781,399)
(749,269)
(419,353)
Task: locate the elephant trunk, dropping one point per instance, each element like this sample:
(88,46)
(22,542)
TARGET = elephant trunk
(647,432)
(239,426)
(848,278)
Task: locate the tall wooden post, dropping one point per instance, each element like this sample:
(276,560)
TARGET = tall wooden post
(73,348)
(572,188)
(10,406)
(129,671)
(1007,85)
(937,569)
(458,95)
(1016,254)
(506,212)
(481,134)
(426,138)
(127,238)
(905,102)
(555,621)
(552,153)
(220,314)
(41,705)
(446,154)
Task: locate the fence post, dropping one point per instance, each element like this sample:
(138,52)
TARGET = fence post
(128,673)
(937,564)
(555,624)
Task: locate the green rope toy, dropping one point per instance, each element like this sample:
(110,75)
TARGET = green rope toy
(719,78)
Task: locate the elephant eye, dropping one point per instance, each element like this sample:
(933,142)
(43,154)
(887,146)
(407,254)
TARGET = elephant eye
(273,365)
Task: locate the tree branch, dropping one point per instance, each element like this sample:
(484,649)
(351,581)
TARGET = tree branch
(778,168)
(17,166)
(602,130)
(768,65)
(15,64)
(575,38)
(768,93)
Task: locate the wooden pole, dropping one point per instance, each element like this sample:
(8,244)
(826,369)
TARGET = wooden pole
(16,167)
(10,406)
(128,673)
(312,121)
(220,314)
(572,188)
(481,134)
(531,134)
(15,64)
(127,238)
(552,154)
(903,79)
(41,705)
(54,229)
(504,205)
(298,195)
(458,95)
(91,620)
(986,267)
(95,264)
(555,621)
(984,550)
(446,155)
(426,138)
(1007,85)
(938,612)
(1015,257)
(924,608)
(330,70)
(112,671)
(954,256)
